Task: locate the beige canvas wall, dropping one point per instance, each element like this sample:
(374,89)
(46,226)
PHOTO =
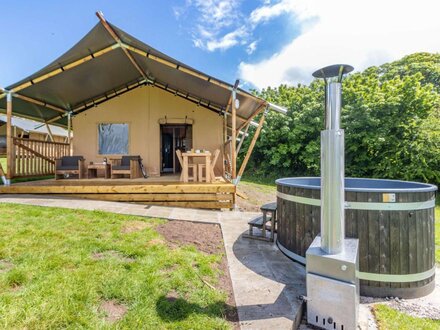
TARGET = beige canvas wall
(142,109)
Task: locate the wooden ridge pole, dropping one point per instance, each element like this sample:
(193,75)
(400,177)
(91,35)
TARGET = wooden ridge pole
(251,148)
(119,41)
(65,68)
(179,67)
(9,143)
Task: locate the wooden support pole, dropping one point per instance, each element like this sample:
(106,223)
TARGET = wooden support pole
(50,132)
(242,138)
(69,131)
(234,136)
(249,120)
(225,139)
(251,148)
(9,142)
(119,41)
(40,103)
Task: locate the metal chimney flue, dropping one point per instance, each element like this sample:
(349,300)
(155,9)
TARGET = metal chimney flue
(332,260)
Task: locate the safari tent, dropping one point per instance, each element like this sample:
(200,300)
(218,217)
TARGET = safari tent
(121,96)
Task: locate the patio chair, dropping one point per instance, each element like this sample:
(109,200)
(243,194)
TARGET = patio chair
(202,167)
(70,165)
(127,165)
(192,167)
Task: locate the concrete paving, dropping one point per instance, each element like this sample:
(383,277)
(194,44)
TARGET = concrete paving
(266,283)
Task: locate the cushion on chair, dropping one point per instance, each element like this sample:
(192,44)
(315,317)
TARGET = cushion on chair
(121,168)
(67,168)
(70,162)
(125,160)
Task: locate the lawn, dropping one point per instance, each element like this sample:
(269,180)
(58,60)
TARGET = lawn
(390,319)
(86,269)
(437,233)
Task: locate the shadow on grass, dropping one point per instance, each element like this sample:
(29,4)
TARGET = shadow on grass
(173,309)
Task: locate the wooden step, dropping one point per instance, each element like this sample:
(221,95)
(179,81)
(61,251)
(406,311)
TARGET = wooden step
(258,222)
(269,207)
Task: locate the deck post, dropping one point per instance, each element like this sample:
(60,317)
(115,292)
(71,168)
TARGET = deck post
(251,146)
(9,142)
(69,129)
(225,139)
(234,136)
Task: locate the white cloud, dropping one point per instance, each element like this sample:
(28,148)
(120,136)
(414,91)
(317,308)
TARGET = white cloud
(252,47)
(361,33)
(268,11)
(230,39)
(218,24)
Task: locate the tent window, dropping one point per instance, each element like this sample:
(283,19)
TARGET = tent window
(113,139)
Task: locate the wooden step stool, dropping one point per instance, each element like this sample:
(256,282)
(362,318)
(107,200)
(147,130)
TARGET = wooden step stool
(262,222)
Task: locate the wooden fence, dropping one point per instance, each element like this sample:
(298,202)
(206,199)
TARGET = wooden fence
(36,158)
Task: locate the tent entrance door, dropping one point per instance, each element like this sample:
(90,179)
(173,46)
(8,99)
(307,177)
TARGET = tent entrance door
(173,138)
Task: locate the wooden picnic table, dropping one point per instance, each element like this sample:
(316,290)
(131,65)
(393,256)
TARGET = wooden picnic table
(187,155)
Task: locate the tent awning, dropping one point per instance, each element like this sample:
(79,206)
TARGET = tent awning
(98,68)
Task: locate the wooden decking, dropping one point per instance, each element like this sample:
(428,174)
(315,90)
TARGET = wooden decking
(166,190)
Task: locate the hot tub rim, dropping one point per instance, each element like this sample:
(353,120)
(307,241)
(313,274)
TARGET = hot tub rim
(424,187)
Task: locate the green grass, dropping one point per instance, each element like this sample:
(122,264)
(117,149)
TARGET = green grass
(3,163)
(437,233)
(390,319)
(259,180)
(50,276)
(263,187)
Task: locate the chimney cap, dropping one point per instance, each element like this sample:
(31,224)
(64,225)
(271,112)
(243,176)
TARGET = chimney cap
(335,70)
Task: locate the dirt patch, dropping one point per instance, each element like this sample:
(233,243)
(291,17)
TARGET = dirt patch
(5,266)
(208,239)
(205,237)
(155,241)
(134,226)
(172,296)
(255,196)
(113,310)
(111,254)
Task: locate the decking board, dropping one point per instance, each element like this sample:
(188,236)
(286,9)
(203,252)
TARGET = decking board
(215,195)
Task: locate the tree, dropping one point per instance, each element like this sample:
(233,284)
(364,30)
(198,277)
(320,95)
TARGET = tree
(390,115)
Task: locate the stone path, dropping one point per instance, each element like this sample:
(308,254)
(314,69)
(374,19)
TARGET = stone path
(266,283)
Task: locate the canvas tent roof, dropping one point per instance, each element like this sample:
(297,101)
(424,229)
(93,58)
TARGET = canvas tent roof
(28,125)
(97,68)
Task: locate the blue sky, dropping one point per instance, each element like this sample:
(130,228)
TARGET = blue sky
(40,31)
(262,42)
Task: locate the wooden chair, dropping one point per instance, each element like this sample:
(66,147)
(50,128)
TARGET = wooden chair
(202,167)
(192,167)
(127,165)
(70,165)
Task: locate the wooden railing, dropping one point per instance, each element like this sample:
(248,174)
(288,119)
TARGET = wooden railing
(35,157)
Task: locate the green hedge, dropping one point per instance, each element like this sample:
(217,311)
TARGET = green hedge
(390,114)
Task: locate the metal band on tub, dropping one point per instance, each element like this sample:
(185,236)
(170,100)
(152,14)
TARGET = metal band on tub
(406,206)
(392,278)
